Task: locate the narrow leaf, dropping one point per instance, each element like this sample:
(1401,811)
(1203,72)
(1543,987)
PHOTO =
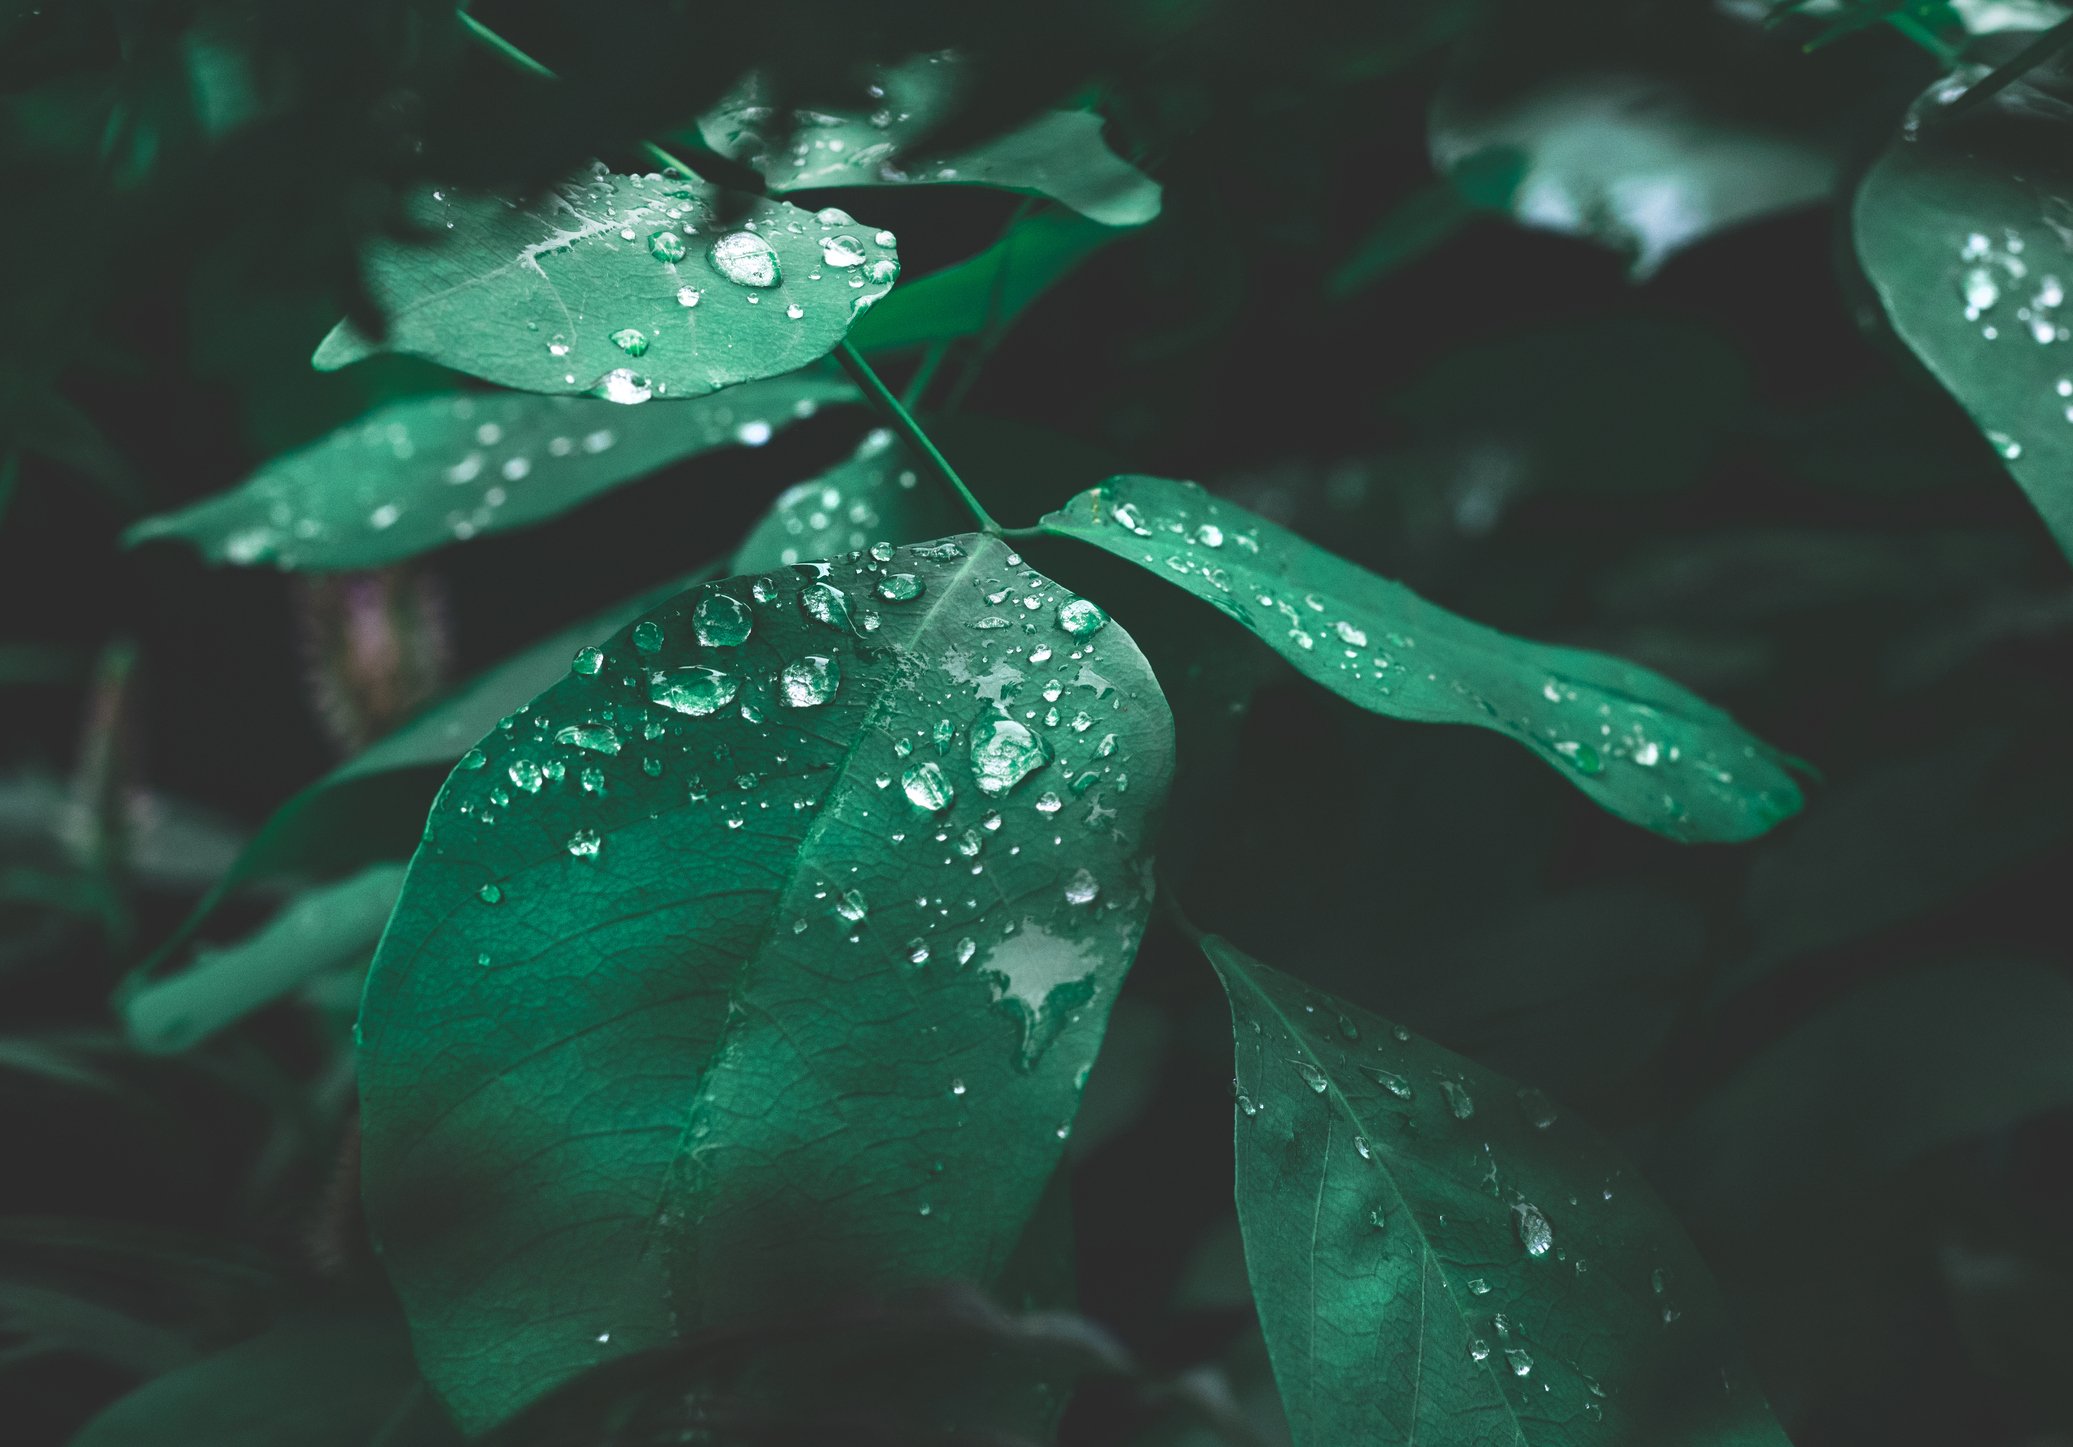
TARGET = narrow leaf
(624,286)
(418,474)
(1639,745)
(985,293)
(1440,1256)
(786,847)
(1059,154)
(1965,229)
(322,928)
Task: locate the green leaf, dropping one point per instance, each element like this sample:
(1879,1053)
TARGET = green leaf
(1439,1255)
(1059,154)
(1896,1068)
(324,927)
(1962,227)
(625,286)
(756,971)
(316,1382)
(985,293)
(1646,137)
(874,495)
(1428,218)
(418,474)
(1639,745)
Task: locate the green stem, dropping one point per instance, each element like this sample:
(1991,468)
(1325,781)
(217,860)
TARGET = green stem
(901,421)
(875,391)
(2043,48)
(918,385)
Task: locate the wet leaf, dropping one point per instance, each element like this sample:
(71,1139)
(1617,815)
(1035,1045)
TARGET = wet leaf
(1639,745)
(1438,1255)
(876,494)
(786,845)
(324,927)
(1965,229)
(421,473)
(622,286)
(985,293)
(1059,154)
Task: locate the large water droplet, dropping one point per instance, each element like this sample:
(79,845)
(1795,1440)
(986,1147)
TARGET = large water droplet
(625,386)
(695,690)
(721,621)
(1535,1234)
(1082,888)
(928,786)
(809,682)
(842,251)
(666,246)
(1004,753)
(826,604)
(745,259)
(899,587)
(1312,1076)
(1080,617)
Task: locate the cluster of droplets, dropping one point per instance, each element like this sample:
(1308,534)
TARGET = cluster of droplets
(1992,273)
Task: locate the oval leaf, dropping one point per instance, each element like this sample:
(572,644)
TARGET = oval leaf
(1639,745)
(1965,229)
(622,286)
(418,474)
(1438,1255)
(786,847)
(1059,154)
(874,493)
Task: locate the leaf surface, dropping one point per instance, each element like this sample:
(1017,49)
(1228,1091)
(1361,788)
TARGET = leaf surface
(1965,229)
(620,285)
(738,975)
(873,495)
(985,293)
(1639,745)
(421,473)
(1439,1256)
(1059,154)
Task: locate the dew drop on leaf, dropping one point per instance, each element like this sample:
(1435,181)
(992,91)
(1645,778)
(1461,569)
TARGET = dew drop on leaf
(1535,1233)
(630,340)
(928,787)
(721,621)
(1458,1099)
(624,386)
(1004,753)
(647,636)
(694,690)
(809,682)
(1080,617)
(899,587)
(745,259)
(1312,1076)
(666,246)
(826,604)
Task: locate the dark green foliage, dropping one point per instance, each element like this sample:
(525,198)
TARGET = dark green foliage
(663,914)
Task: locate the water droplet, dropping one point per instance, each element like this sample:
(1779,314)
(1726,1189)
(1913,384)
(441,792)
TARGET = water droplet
(473,759)
(1535,1233)
(826,604)
(1377,1219)
(689,296)
(899,587)
(384,516)
(1081,888)
(884,271)
(647,636)
(809,682)
(1080,617)
(1350,635)
(1458,1099)
(526,774)
(965,950)
(1478,1287)
(1537,1108)
(2007,446)
(1360,1146)
(694,690)
(1048,803)
(745,259)
(851,906)
(624,386)
(1312,1076)
(1479,1350)
(1390,1081)
(753,433)
(721,621)
(1582,755)
(795,311)
(1004,753)
(957,1087)
(1522,1364)
(597,738)
(585,843)
(631,340)
(842,251)
(1209,535)
(928,787)
(666,246)
(489,894)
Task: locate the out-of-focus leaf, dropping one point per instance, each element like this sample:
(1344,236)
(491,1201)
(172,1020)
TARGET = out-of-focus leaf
(1429,217)
(985,293)
(53,1058)
(706,896)
(623,286)
(421,473)
(322,928)
(168,843)
(1965,228)
(1897,1067)
(1437,1254)
(322,1382)
(1643,141)
(1059,154)
(1636,743)
(44,1319)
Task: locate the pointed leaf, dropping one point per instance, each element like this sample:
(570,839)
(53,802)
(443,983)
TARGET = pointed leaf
(985,293)
(625,286)
(1965,229)
(874,495)
(1059,154)
(1440,1256)
(323,927)
(758,962)
(418,474)
(1639,745)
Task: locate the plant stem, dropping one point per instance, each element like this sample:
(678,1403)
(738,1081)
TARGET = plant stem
(880,396)
(875,391)
(924,373)
(2043,48)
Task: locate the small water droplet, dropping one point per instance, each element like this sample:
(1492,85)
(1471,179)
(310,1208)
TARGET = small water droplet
(851,906)
(1312,1076)
(624,386)
(745,259)
(631,340)
(489,894)
(809,682)
(842,251)
(1081,888)
(1004,753)
(1458,1099)
(689,296)
(666,246)
(2007,446)
(585,843)
(647,636)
